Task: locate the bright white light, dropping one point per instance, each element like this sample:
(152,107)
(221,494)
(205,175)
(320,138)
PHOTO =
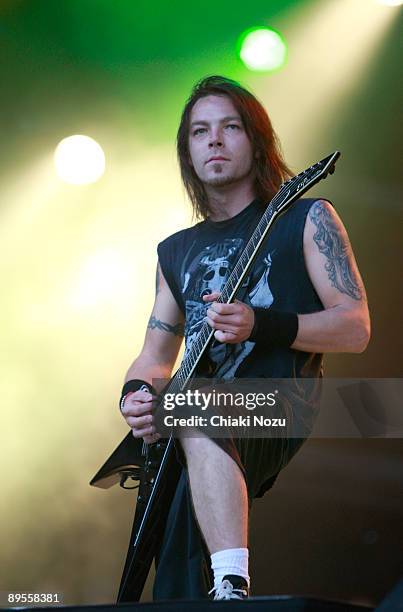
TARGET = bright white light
(103,277)
(79,160)
(390,2)
(263,49)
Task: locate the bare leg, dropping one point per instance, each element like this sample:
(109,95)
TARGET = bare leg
(219,494)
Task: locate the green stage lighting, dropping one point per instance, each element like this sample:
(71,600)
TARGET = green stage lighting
(262,49)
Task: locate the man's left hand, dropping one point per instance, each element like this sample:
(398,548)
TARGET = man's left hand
(233,322)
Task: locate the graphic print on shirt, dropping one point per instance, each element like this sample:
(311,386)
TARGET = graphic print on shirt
(208,272)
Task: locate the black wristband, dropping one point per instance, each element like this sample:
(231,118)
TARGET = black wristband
(134,385)
(274,327)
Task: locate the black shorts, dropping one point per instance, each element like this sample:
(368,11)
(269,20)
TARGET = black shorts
(259,459)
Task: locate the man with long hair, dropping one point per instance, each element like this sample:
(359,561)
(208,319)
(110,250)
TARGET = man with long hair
(304,297)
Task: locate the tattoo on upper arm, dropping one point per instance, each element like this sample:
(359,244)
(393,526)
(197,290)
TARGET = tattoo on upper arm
(177,330)
(336,250)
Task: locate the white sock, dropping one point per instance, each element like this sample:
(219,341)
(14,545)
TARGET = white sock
(230,561)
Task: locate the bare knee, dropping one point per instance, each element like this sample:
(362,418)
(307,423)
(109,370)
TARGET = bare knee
(202,453)
(197,447)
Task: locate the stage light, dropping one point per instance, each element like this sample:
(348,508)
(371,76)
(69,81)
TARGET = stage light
(79,160)
(262,49)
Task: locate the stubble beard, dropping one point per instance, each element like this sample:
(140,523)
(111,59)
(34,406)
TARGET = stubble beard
(221,179)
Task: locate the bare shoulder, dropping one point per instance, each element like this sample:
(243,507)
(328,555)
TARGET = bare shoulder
(323,216)
(324,230)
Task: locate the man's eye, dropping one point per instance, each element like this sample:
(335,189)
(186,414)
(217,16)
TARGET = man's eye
(233,125)
(198,131)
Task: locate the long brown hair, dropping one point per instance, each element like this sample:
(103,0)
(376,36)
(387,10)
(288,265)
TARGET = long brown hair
(270,167)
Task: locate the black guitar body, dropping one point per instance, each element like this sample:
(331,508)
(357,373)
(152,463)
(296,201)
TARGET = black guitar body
(148,526)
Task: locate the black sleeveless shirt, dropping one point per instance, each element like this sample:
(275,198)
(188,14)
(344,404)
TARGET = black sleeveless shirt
(198,260)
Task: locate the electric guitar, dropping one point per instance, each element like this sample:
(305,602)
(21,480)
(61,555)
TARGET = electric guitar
(155,466)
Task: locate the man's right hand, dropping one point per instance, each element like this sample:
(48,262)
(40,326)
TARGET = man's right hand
(137,412)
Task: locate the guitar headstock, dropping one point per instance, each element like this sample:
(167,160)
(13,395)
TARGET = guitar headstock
(304,180)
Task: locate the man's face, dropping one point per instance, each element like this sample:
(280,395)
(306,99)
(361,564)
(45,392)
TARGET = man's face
(220,150)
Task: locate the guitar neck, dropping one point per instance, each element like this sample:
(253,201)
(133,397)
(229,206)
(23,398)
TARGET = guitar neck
(288,193)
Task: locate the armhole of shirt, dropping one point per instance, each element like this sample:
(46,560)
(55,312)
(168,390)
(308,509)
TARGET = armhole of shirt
(165,267)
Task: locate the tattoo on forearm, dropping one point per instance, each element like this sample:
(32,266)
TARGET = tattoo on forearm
(157,280)
(336,250)
(177,330)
